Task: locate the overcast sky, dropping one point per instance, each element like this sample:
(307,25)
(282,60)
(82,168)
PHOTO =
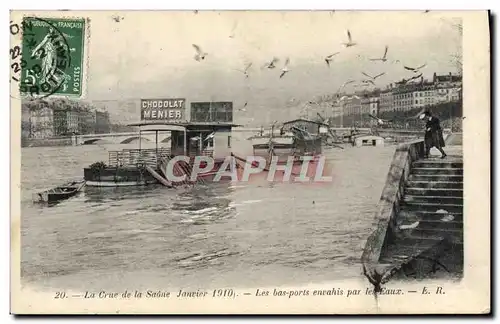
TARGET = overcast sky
(150,55)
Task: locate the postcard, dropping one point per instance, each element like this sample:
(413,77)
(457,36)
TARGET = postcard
(250,162)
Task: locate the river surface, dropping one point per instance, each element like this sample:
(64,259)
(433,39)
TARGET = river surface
(207,236)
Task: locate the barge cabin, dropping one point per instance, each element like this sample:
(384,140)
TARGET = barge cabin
(142,166)
(296,137)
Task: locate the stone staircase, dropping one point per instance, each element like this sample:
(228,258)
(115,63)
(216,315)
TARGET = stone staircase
(429,224)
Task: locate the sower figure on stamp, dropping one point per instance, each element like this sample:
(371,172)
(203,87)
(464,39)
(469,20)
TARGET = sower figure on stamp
(433,134)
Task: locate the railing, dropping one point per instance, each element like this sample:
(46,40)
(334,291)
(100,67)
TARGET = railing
(151,157)
(133,157)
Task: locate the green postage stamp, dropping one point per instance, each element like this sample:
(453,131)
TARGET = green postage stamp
(53,57)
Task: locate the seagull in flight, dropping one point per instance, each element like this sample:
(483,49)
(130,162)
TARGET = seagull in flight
(285,69)
(379,120)
(344,85)
(243,108)
(403,81)
(350,42)
(245,71)
(414,77)
(272,64)
(117,18)
(415,70)
(330,58)
(200,55)
(373,77)
(383,58)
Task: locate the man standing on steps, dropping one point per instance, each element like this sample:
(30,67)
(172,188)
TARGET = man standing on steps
(433,134)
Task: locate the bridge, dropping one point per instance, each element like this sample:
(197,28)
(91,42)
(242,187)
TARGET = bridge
(119,138)
(127,137)
(163,137)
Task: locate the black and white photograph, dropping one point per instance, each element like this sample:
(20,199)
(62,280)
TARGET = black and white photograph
(265,162)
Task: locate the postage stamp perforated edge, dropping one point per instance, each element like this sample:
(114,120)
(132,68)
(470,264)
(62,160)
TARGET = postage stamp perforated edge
(18,17)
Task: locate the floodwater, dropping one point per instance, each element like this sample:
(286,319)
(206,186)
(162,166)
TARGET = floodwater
(215,235)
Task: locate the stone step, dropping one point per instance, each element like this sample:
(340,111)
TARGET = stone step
(437,164)
(452,192)
(434,199)
(429,216)
(402,249)
(438,224)
(419,237)
(437,171)
(454,235)
(435,184)
(438,231)
(432,207)
(437,177)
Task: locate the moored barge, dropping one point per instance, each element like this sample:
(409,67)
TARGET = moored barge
(143,166)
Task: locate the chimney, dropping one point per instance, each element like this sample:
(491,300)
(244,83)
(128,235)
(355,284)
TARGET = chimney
(434,78)
(451,77)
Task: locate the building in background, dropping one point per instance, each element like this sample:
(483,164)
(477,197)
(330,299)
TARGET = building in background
(60,122)
(44,121)
(87,122)
(351,105)
(374,102)
(405,97)
(73,121)
(365,105)
(386,100)
(102,124)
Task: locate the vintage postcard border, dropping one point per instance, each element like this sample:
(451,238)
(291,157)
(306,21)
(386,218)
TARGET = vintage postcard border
(472,295)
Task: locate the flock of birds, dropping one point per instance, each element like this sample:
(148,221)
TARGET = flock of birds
(368,80)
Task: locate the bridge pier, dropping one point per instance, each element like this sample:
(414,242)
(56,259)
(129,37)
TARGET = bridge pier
(75,140)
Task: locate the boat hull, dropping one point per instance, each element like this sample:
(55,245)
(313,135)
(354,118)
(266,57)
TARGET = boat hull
(117,177)
(59,193)
(132,176)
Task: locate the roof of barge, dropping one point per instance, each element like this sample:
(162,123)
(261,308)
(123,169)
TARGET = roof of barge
(186,124)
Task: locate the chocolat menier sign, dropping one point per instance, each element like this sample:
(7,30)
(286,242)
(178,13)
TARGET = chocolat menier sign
(171,110)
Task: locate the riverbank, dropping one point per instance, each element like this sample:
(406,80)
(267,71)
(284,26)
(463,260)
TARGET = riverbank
(43,142)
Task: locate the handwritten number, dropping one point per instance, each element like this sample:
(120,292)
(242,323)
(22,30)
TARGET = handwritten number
(14,28)
(16,67)
(15,52)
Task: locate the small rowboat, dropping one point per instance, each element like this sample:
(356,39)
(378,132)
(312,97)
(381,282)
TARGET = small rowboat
(59,193)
